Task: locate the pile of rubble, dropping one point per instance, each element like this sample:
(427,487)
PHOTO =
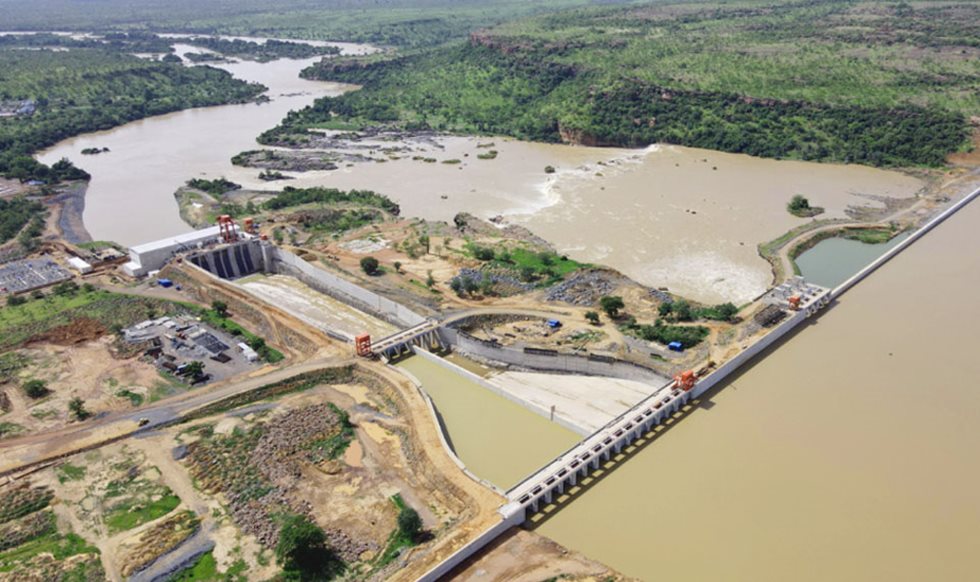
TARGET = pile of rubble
(585,288)
(504,283)
(289,435)
(260,489)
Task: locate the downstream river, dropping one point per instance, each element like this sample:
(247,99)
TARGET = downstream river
(669,216)
(849,453)
(130,199)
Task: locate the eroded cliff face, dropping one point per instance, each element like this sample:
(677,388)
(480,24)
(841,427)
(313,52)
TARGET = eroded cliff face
(575,136)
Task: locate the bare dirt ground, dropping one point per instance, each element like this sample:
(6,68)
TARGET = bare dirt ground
(523,556)
(88,371)
(349,496)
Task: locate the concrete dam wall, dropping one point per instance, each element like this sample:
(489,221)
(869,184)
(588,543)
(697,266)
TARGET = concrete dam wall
(233,261)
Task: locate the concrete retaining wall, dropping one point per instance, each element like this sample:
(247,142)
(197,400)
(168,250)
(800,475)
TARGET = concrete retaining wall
(561,363)
(442,435)
(467,551)
(285,262)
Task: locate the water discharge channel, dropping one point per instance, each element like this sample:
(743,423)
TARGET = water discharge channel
(497,439)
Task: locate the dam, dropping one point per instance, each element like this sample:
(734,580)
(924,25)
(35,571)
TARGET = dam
(570,468)
(797,300)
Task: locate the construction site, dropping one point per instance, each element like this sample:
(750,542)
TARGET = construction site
(344,379)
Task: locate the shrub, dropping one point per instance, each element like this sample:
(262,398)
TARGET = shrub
(303,553)
(611,304)
(76,406)
(409,523)
(370,265)
(35,388)
(593,317)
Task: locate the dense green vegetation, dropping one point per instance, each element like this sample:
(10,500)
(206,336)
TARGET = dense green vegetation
(15,214)
(36,317)
(90,89)
(403,23)
(270,50)
(663,333)
(791,80)
(215,187)
(681,310)
(800,206)
(297,196)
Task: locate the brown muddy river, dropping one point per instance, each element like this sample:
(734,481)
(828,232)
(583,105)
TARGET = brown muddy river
(849,453)
(669,216)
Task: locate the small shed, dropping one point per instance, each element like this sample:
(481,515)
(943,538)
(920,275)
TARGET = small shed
(80,265)
(676,346)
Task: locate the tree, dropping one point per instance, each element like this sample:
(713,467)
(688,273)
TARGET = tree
(409,523)
(398,266)
(799,202)
(195,369)
(15,300)
(35,388)
(682,310)
(665,308)
(456,285)
(220,307)
(430,281)
(611,304)
(76,406)
(483,253)
(593,317)
(727,311)
(303,553)
(370,265)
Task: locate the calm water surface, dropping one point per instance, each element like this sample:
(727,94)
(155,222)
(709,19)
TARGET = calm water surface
(832,261)
(497,439)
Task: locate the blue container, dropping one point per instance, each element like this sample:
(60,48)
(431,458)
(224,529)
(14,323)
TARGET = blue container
(676,346)
(554,323)
(165,282)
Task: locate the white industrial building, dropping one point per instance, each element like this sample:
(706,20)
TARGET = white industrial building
(79,265)
(152,256)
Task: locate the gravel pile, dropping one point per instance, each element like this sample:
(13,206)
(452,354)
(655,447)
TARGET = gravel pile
(504,283)
(260,488)
(584,288)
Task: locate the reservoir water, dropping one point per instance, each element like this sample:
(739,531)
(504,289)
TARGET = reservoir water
(848,453)
(832,261)
(497,439)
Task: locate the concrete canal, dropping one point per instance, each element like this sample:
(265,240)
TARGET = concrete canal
(498,440)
